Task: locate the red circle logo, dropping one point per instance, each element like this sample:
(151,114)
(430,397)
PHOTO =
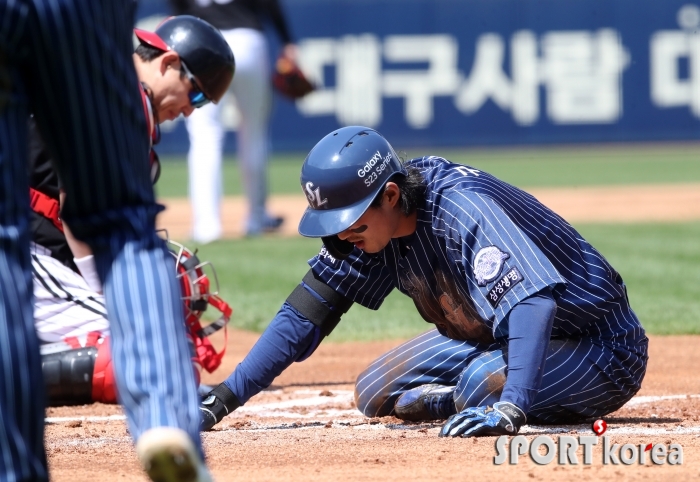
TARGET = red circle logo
(599,427)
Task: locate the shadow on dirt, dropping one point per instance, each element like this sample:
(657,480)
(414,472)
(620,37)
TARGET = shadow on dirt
(636,420)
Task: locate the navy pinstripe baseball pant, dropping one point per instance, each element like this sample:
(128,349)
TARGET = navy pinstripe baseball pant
(69,62)
(584,377)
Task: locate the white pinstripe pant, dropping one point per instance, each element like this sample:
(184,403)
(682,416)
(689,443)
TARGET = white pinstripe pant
(252,90)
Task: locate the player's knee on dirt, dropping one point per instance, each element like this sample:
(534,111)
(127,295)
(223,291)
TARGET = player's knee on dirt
(481,383)
(371,402)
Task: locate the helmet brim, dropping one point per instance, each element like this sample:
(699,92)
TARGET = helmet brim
(152,39)
(317,223)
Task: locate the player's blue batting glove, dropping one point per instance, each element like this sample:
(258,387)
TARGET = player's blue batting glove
(503,418)
(220,402)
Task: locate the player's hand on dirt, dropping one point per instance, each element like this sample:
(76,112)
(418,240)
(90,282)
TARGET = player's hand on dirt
(220,402)
(503,418)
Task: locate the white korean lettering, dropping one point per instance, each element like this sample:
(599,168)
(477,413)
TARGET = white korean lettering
(581,72)
(487,79)
(419,87)
(356,97)
(667,49)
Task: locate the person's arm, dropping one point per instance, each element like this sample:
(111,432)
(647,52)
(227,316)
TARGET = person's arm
(529,329)
(289,49)
(82,256)
(309,314)
(274,11)
(78,248)
(286,338)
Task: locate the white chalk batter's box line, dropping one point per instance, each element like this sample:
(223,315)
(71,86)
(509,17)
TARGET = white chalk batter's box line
(281,410)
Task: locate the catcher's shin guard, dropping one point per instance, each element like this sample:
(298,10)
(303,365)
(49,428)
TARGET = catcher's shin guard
(84,375)
(80,375)
(68,376)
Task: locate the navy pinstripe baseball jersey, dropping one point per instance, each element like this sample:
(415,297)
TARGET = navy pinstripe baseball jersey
(481,246)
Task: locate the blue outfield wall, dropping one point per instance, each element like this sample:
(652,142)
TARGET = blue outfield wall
(486,72)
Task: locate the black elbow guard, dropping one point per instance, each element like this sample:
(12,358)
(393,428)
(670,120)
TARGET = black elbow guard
(315,310)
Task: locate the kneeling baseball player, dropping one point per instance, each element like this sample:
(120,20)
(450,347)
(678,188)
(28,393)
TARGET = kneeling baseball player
(183,65)
(531,322)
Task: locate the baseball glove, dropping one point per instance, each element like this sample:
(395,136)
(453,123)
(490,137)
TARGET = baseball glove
(289,80)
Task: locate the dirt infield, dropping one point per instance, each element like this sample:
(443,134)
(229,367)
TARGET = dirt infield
(648,203)
(305,427)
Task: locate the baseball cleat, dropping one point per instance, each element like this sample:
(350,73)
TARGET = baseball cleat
(168,455)
(272,223)
(426,402)
(269,224)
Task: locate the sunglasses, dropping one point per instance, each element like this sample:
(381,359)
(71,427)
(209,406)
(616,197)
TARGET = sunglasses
(197,97)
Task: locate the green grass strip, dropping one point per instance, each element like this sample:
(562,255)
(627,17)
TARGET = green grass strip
(659,263)
(524,167)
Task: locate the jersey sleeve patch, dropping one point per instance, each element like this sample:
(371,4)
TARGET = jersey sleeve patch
(503,286)
(488,264)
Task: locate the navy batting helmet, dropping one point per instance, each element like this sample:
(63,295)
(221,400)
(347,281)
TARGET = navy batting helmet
(201,48)
(341,176)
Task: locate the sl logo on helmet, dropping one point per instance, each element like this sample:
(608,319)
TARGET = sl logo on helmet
(314,196)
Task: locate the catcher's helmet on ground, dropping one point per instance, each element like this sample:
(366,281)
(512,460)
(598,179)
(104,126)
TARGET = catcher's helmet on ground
(201,48)
(340,177)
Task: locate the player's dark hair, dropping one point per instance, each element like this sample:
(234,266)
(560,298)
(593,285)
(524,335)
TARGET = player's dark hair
(411,191)
(148,53)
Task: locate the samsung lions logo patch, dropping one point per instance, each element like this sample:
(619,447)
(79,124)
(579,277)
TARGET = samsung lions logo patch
(314,196)
(488,264)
